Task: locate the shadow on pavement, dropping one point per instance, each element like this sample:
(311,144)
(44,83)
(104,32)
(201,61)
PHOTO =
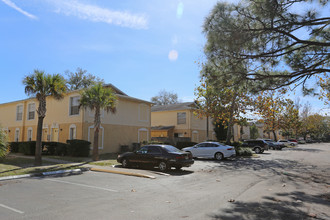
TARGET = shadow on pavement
(172,172)
(293,170)
(303,149)
(293,206)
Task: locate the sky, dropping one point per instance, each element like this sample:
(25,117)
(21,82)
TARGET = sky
(140,46)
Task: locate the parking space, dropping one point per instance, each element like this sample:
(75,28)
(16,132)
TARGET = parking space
(291,184)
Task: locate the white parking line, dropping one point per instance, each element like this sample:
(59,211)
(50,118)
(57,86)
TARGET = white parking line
(12,209)
(78,184)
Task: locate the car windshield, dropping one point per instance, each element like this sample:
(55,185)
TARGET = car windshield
(170,148)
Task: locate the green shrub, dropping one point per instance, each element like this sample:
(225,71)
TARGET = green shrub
(243,151)
(124,148)
(27,147)
(136,146)
(183,144)
(55,148)
(49,148)
(61,149)
(78,148)
(14,147)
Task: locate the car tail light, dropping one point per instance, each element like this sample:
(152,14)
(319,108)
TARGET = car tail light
(230,148)
(180,157)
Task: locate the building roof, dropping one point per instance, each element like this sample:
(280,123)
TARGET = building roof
(162,128)
(174,107)
(118,92)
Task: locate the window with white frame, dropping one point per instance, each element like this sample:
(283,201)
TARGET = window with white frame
(17,134)
(31,111)
(19,113)
(29,134)
(181,118)
(72,132)
(74,105)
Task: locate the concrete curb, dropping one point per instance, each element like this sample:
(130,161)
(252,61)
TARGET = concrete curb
(75,171)
(123,173)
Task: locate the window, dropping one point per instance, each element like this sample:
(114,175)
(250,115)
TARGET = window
(154,150)
(31,111)
(181,118)
(178,135)
(29,134)
(17,134)
(74,105)
(19,113)
(143,150)
(72,132)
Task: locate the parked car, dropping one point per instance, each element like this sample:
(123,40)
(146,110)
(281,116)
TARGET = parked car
(274,145)
(258,146)
(162,156)
(301,142)
(210,149)
(287,142)
(293,140)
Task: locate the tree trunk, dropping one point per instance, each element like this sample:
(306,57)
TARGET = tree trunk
(275,137)
(96,145)
(97,124)
(231,121)
(41,115)
(38,159)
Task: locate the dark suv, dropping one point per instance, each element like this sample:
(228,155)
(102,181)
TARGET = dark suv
(258,146)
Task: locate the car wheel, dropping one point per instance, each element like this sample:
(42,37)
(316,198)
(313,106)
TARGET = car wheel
(292,144)
(162,166)
(257,150)
(125,163)
(218,156)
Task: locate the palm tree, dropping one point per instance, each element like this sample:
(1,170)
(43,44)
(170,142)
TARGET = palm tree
(98,97)
(41,85)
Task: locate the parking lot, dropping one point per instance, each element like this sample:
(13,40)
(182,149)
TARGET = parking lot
(288,184)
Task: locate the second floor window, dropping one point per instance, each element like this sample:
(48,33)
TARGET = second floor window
(74,105)
(31,110)
(19,113)
(181,118)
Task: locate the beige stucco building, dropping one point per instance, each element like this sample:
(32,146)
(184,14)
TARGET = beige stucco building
(179,121)
(64,120)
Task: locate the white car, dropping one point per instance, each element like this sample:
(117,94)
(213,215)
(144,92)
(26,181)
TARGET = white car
(287,143)
(214,150)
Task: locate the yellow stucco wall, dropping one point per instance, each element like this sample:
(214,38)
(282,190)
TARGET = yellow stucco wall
(130,124)
(128,112)
(113,136)
(195,127)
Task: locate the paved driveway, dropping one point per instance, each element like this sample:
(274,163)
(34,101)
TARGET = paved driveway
(288,184)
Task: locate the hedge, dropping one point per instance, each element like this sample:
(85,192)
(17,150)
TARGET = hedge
(78,148)
(27,148)
(183,144)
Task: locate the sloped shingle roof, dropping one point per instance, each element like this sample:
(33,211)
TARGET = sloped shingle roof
(173,107)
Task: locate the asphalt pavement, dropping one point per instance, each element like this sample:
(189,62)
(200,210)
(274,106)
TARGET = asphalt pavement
(288,184)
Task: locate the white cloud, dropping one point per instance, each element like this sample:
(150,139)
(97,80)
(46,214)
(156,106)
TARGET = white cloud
(14,6)
(97,14)
(173,55)
(179,10)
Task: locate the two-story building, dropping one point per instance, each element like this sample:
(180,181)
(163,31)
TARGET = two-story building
(65,120)
(179,121)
